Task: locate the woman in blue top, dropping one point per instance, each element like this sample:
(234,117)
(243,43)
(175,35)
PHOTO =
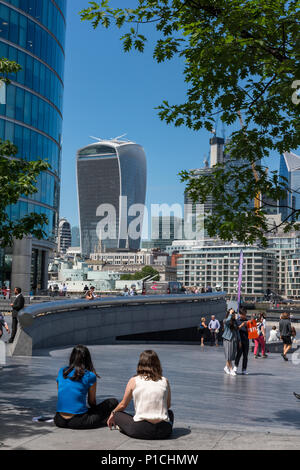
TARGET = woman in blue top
(76,385)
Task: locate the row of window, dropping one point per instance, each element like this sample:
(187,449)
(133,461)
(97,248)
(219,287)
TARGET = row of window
(47,190)
(20,30)
(25,107)
(34,75)
(17,211)
(31,145)
(46,13)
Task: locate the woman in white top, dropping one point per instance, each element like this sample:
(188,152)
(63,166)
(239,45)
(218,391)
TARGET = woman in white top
(151,394)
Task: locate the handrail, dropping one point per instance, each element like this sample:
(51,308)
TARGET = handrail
(27,315)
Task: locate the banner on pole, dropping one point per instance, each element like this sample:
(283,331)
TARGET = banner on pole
(240,278)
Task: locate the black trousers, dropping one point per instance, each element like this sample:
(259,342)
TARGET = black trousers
(94,418)
(14,327)
(244,350)
(144,429)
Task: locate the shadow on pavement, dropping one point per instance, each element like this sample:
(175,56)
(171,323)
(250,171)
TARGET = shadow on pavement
(179,432)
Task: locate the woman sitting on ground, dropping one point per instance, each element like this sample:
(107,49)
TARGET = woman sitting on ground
(152,399)
(76,385)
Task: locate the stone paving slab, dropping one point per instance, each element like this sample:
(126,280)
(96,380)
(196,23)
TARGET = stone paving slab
(212,410)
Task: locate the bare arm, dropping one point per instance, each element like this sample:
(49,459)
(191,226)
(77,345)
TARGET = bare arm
(169,396)
(124,402)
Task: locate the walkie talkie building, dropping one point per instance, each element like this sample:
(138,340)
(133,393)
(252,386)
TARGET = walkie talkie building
(111,181)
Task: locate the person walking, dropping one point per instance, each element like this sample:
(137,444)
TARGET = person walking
(231,341)
(261,339)
(151,394)
(77,384)
(285,329)
(203,329)
(243,348)
(17,305)
(214,328)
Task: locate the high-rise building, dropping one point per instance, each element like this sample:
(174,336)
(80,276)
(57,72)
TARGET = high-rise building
(290,170)
(111,179)
(164,229)
(64,239)
(190,209)
(32,33)
(75,236)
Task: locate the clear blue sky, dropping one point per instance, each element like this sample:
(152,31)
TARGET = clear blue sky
(108,93)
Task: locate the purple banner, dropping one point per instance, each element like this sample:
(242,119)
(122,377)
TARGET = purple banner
(240,279)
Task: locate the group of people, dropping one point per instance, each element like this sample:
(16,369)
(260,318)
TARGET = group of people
(132,291)
(149,389)
(238,332)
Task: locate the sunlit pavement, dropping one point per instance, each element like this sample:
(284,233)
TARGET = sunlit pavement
(212,410)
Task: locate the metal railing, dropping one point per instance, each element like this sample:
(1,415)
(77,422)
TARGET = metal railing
(27,315)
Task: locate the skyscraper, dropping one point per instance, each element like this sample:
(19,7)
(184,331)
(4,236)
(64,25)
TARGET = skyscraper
(216,157)
(290,170)
(32,33)
(64,239)
(111,179)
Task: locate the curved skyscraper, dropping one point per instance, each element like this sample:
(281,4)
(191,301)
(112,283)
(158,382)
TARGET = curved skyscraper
(111,179)
(32,33)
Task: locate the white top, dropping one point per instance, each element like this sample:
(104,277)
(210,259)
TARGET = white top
(273,336)
(150,399)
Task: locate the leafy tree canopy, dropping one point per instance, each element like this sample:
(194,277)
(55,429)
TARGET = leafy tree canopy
(241,62)
(146,271)
(17,178)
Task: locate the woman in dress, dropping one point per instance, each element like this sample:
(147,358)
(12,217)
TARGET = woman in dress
(202,328)
(151,394)
(231,340)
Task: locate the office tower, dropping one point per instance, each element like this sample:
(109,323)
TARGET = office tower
(165,229)
(216,151)
(216,157)
(111,179)
(64,239)
(75,236)
(32,33)
(290,170)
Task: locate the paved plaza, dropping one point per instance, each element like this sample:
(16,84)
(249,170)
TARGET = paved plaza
(212,410)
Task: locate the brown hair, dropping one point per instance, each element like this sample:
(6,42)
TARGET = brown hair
(285,316)
(149,366)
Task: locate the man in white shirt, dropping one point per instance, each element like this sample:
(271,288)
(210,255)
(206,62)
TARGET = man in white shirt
(214,328)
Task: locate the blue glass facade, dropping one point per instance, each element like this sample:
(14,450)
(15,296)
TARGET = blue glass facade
(32,33)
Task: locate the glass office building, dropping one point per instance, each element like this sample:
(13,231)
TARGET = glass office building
(290,170)
(111,179)
(32,33)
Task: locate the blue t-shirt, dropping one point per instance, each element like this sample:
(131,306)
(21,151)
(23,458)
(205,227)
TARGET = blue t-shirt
(72,396)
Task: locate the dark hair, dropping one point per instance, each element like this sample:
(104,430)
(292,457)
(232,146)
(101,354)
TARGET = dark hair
(18,289)
(81,361)
(232,323)
(149,366)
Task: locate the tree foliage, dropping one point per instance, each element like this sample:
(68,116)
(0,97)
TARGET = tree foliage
(17,178)
(145,271)
(241,59)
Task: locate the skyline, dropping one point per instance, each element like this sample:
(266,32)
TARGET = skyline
(118,97)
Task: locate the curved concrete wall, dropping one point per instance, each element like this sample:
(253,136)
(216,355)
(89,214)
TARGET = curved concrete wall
(101,322)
